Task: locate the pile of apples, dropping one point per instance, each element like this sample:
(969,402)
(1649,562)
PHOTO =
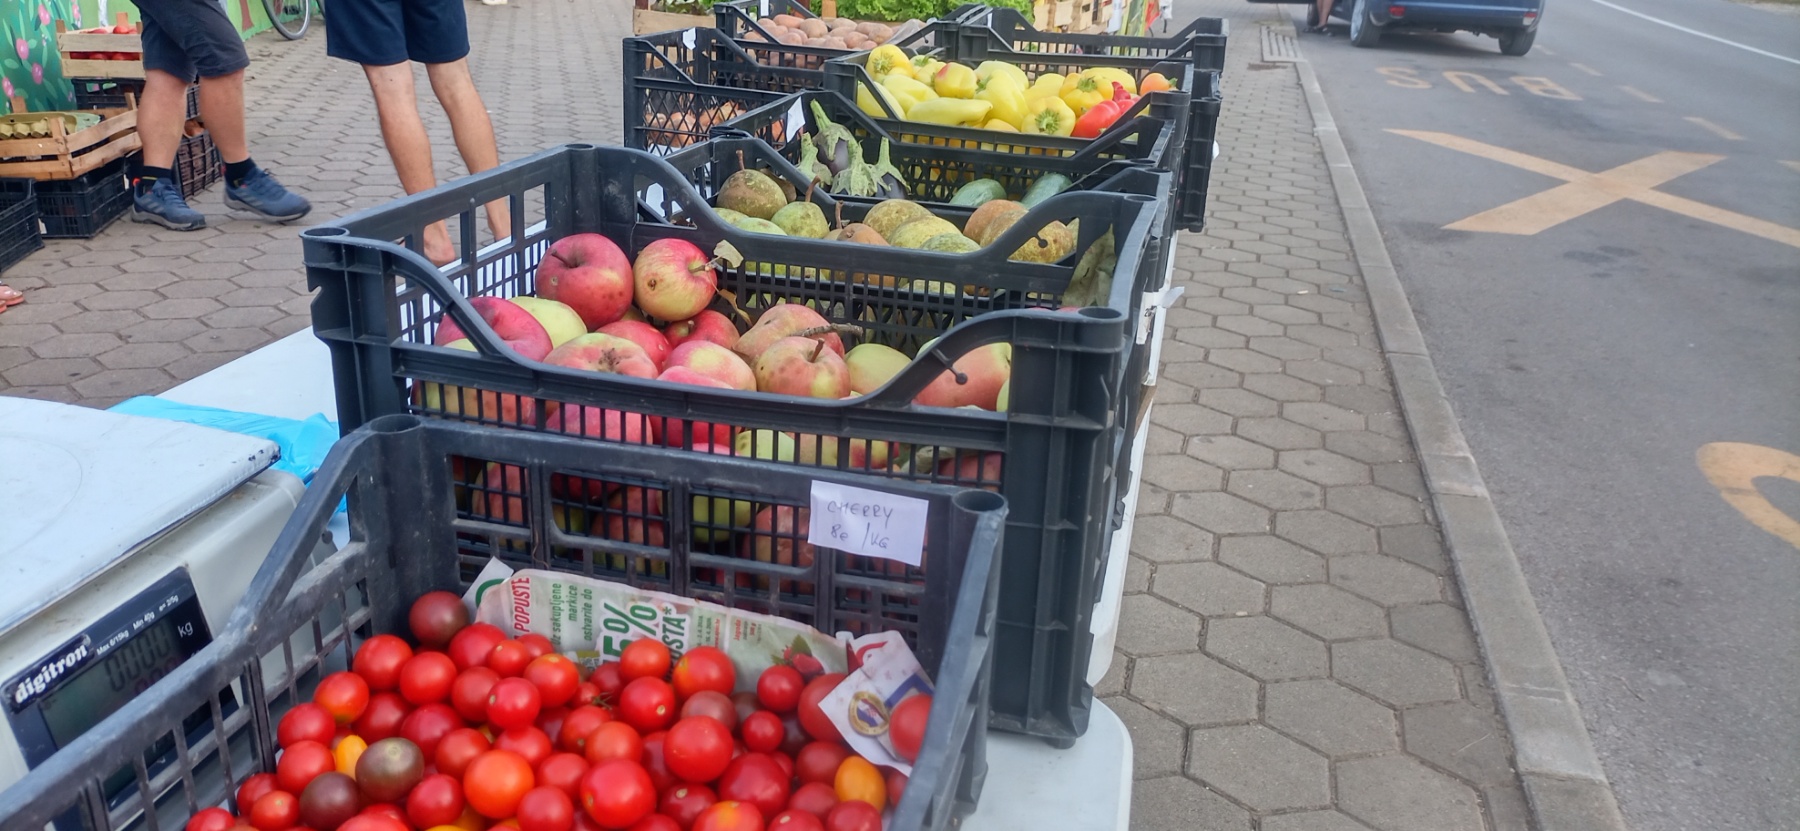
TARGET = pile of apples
(465,729)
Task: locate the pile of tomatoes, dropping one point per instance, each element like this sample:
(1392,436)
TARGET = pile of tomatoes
(121,29)
(474,730)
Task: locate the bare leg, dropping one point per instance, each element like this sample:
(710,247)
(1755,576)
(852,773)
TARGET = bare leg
(160,115)
(408,145)
(222,108)
(1324,7)
(474,131)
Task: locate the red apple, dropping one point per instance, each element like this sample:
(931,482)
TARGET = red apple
(707,325)
(778,535)
(714,516)
(715,362)
(969,469)
(985,370)
(643,334)
(674,279)
(601,352)
(802,366)
(504,485)
(780,321)
(516,327)
(474,404)
(590,274)
(604,424)
(634,514)
(676,432)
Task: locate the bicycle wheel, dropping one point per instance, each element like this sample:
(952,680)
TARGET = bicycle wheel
(290,17)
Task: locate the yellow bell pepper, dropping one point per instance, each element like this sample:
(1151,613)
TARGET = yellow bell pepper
(1106,75)
(1049,116)
(1081,92)
(1007,97)
(1047,84)
(986,71)
(868,103)
(887,59)
(909,87)
(950,111)
(927,70)
(1002,126)
(954,80)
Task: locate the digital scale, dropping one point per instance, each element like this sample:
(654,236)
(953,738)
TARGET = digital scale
(125,544)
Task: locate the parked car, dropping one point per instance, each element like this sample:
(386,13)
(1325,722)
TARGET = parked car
(1513,22)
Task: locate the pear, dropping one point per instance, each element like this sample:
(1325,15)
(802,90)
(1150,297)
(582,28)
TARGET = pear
(752,193)
(890,214)
(976,227)
(803,218)
(913,234)
(760,226)
(1052,243)
(952,243)
(730,216)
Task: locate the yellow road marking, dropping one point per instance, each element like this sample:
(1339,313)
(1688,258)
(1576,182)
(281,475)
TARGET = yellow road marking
(1715,129)
(1585,192)
(1588,69)
(1641,95)
(1734,467)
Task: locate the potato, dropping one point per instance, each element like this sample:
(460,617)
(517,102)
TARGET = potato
(788,20)
(836,43)
(882,34)
(793,39)
(868,29)
(753,35)
(857,41)
(814,28)
(841,23)
(815,41)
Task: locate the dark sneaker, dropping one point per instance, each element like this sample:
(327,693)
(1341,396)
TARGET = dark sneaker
(164,205)
(261,194)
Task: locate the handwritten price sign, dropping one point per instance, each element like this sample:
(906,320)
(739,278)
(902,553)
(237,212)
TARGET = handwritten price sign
(871,523)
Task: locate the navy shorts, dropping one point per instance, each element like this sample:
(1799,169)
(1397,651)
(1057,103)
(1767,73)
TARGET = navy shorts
(190,39)
(387,32)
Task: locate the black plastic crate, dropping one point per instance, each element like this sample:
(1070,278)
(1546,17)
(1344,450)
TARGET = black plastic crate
(197,164)
(1051,455)
(81,207)
(418,524)
(109,94)
(19,234)
(1201,40)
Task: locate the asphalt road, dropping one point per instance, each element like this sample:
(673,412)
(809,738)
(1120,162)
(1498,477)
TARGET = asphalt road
(1591,349)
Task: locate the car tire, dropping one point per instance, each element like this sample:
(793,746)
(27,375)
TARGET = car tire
(1516,42)
(1364,31)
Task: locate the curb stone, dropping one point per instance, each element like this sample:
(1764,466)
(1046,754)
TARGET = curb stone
(1565,785)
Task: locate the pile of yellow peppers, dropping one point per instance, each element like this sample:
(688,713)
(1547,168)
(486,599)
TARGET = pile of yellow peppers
(995,95)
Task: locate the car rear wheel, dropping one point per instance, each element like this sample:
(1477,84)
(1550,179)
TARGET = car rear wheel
(1364,32)
(1516,42)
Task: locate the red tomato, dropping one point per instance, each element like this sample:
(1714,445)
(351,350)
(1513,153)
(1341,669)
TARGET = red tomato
(379,661)
(762,731)
(854,815)
(647,704)
(698,749)
(644,658)
(785,761)
(655,822)
(436,800)
(778,688)
(254,788)
(614,740)
(791,820)
(580,724)
(427,677)
(711,704)
(306,722)
(685,802)
(819,761)
(703,668)
(564,771)
(556,678)
(794,736)
(550,720)
(435,618)
(536,644)
(811,717)
(495,782)
(514,702)
(587,692)
(509,658)
(343,695)
(275,811)
(816,798)
(610,681)
(756,779)
(300,763)
(546,808)
(617,793)
(529,742)
(656,762)
(730,816)
(373,822)
(906,725)
(458,748)
(382,718)
(470,647)
(428,725)
(211,819)
(469,693)
(896,784)
(746,704)
(385,812)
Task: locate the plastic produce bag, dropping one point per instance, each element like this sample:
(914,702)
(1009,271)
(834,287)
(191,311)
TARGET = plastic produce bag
(303,444)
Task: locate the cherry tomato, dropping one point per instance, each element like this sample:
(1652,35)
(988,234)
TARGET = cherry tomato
(746,704)
(703,668)
(906,725)
(374,822)
(514,702)
(853,816)
(546,808)
(537,645)
(858,780)
(436,800)
(614,740)
(428,725)
(778,688)
(685,802)
(306,722)
(816,798)
(656,762)
(348,752)
(819,761)
(211,819)
(435,618)
(427,678)
(385,812)
(762,731)
(253,789)
(758,780)
(529,742)
(792,820)
(644,658)
(579,725)
(711,704)
(698,749)
(379,660)
(730,816)
(617,793)
(470,647)
(896,784)
(469,693)
(343,695)
(647,704)
(610,681)
(275,811)
(564,771)
(786,763)
(458,748)
(550,720)
(556,678)
(509,658)
(655,822)
(382,718)
(793,736)
(300,763)
(495,782)
(811,717)
(587,692)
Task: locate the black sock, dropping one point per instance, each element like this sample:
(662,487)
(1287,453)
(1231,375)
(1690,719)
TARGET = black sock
(235,172)
(146,178)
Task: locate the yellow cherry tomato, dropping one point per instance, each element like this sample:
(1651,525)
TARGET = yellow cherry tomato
(857,779)
(348,750)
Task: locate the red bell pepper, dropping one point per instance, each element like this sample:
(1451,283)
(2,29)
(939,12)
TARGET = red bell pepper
(1099,118)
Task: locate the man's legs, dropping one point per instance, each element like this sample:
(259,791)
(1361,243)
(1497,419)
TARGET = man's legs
(222,108)
(403,131)
(161,114)
(473,130)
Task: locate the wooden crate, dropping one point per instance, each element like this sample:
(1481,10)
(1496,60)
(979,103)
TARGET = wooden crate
(1085,11)
(65,155)
(650,21)
(1042,11)
(1065,15)
(72,43)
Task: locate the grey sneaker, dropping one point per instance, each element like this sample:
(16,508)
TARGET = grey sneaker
(261,194)
(164,205)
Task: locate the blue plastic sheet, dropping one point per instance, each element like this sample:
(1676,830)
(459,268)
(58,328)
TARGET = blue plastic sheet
(303,444)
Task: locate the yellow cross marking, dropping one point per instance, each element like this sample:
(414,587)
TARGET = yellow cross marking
(1585,192)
